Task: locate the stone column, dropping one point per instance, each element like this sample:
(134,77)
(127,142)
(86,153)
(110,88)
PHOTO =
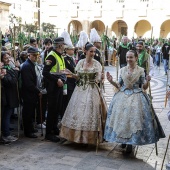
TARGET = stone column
(86,26)
(130,31)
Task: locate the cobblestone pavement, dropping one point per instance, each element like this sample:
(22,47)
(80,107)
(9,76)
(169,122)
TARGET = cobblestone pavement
(34,154)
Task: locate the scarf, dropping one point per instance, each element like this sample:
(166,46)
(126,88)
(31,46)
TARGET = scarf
(141,58)
(7,67)
(124,46)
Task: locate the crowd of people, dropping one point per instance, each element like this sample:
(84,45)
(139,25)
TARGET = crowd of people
(59,88)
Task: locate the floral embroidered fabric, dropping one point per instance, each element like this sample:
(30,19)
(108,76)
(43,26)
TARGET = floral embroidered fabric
(83,111)
(129,118)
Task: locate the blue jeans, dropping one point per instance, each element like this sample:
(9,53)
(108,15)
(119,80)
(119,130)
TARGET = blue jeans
(6,115)
(166,62)
(157,57)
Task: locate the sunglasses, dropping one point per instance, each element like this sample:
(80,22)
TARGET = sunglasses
(92,51)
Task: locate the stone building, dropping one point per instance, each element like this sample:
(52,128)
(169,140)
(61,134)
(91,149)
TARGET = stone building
(26,9)
(133,18)
(4,13)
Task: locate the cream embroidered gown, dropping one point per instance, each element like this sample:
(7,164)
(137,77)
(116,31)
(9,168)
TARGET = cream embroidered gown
(81,122)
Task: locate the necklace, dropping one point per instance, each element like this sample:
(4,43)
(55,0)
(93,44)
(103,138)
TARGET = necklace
(130,71)
(88,63)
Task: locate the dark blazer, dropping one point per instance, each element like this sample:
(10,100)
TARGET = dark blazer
(165,51)
(70,64)
(29,82)
(9,89)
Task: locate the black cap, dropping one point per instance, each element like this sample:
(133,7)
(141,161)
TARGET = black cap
(59,40)
(32,50)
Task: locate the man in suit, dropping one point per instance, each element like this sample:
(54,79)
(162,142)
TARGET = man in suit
(30,92)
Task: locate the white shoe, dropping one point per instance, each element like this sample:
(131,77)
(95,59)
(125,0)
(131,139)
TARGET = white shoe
(39,126)
(9,138)
(44,123)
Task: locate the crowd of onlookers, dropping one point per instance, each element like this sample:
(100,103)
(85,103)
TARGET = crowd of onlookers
(13,91)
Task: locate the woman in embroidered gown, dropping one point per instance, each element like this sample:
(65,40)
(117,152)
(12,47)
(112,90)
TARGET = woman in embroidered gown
(82,122)
(129,118)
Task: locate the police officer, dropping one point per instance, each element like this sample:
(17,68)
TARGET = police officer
(98,55)
(71,82)
(54,64)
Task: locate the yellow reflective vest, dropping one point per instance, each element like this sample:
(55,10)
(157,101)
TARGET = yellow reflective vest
(60,64)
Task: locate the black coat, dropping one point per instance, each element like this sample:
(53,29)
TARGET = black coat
(29,82)
(70,64)
(165,51)
(122,53)
(9,89)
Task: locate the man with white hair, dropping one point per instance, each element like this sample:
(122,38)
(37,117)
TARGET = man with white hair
(123,48)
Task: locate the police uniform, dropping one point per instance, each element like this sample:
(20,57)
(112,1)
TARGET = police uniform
(97,56)
(54,63)
(71,82)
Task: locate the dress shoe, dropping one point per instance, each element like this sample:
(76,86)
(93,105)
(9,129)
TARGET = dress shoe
(52,138)
(11,129)
(56,132)
(129,149)
(31,135)
(123,146)
(35,131)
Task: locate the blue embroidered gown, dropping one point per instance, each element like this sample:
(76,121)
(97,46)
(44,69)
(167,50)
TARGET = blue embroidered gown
(130,114)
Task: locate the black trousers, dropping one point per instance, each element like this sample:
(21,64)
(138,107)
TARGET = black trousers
(66,99)
(54,110)
(28,113)
(44,109)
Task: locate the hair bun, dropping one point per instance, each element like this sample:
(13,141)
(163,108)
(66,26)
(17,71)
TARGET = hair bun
(88,45)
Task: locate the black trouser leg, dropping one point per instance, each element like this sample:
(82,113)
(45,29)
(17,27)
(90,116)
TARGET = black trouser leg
(27,114)
(66,99)
(54,110)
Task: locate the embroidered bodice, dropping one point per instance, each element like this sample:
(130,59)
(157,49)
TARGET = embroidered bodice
(131,83)
(89,76)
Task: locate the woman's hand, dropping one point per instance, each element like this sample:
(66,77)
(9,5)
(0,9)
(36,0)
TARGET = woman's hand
(17,64)
(109,77)
(67,71)
(148,78)
(1,65)
(168,93)
(102,76)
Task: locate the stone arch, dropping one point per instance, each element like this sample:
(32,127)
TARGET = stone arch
(74,27)
(165,29)
(99,26)
(119,28)
(143,29)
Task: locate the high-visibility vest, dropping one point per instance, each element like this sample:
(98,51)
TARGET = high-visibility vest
(60,64)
